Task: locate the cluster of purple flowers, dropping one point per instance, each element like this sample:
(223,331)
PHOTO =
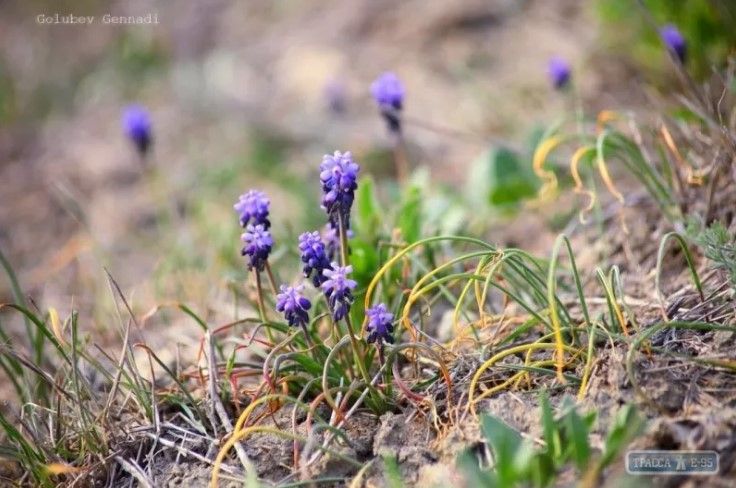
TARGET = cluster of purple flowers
(136,122)
(253,207)
(339,177)
(338,289)
(388,93)
(559,72)
(258,244)
(314,257)
(294,305)
(674,41)
(380,324)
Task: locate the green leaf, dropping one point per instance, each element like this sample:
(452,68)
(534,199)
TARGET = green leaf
(505,442)
(310,365)
(364,259)
(474,475)
(550,430)
(368,212)
(626,425)
(511,180)
(393,475)
(409,219)
(577,429)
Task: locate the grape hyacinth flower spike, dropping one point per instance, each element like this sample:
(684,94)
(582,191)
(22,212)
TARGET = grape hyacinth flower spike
(674,41)
(339,177)
(253,208)
(314,257)
(388,93)
(338,288)
(380,327)
(559,72)
(136,122)
(294,306)
(258,244)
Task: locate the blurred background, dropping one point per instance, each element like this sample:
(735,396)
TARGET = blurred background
(252,94)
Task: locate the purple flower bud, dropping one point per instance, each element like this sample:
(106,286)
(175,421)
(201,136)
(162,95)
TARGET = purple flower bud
(313,256)
(294,305)
(380,327)
(337,287)
(388,92)
(253,207)
(559,72)
(136,123)
(339,177)
(258,244)
(674,41)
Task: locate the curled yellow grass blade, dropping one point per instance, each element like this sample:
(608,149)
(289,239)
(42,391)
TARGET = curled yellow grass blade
(540,156)
(603,169)
(579,186)
(694,177)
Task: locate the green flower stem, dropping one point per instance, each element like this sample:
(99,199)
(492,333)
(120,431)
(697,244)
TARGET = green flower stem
(400,160)
(261,306)
(271,279)
(356,349)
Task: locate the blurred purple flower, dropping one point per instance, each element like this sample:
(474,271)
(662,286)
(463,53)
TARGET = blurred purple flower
(388,92)
(674,41)
(313,256)
(258,244)
(253,207)
(294,305)
(380,327)
(338,289)
(336,96)
(136,123)
(339,177)
(559,72)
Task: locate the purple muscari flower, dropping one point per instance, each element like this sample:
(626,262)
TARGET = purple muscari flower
(136,123)
(313,256)
(388,92)
(338,289)
(674,41)
(559,72)
(253,207)
(258,244)
(339,175)
(380,327)
(294,305)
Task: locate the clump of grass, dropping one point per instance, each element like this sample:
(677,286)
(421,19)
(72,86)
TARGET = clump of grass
(516,461)
(719,247)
